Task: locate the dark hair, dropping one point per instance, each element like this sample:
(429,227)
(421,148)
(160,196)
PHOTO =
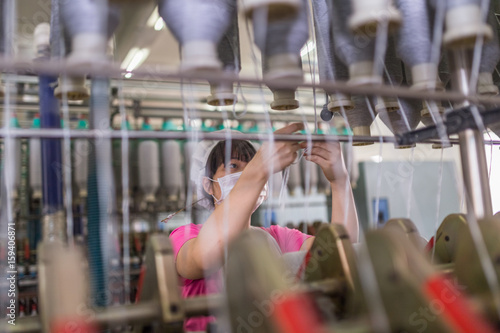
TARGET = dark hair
(241,150)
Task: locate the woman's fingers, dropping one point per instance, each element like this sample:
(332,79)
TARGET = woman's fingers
(319,151)
(331,146)
(319,160)
(289,129)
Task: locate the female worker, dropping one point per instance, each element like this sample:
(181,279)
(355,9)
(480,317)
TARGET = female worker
(233,190)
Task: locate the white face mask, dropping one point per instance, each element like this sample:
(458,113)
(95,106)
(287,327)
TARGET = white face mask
(227,183)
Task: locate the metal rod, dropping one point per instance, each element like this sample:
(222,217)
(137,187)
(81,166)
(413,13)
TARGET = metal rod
(134,313)
(203,305)
(155,74)
(472,153)
(23,325)
(163,135)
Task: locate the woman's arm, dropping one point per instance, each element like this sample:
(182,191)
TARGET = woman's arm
(328,155)
(344,208)
(232,216)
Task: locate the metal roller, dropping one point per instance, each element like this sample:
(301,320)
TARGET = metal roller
(330,258)
(446,242)
(171,168)
(149,169)
(408,229)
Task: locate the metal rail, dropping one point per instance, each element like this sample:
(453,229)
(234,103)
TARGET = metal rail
(163,135)
(153,73)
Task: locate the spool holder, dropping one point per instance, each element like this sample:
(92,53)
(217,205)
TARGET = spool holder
(454,122)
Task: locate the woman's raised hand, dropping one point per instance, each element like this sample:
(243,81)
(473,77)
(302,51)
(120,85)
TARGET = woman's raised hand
(328,155)
(272,158)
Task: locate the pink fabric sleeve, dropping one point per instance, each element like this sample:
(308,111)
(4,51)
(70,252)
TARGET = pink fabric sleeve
(181,235)
(289,240)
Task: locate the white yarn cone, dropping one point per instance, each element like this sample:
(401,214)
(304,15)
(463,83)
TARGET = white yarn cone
(35,168)
(489,60)
(464,24)
(198,26)
(358,57)
(90,24)
(229,54)
(81,173)
(171,168)
(149,169)
(368,14)
(414,43)
(329,65)
(281,56)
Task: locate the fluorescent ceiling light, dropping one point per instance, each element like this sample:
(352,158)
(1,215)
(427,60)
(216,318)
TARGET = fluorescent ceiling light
(128,75)
(153,19)
(129,57)
(138,59)
(135,58)
(307,48)
(159,24)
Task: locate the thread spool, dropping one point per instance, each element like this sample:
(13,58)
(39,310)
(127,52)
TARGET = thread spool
(35,163)
(368,14)
(444,72)
(426,116)
(393,76)
(323,183)
(464,24)
(427,120)
(281,56)
(276,9)
(189,149)
(360,119)
(197,29)
(328,70)
(276,180)
(149,169)
(73,87)
(2,43)
(89,24)
(414,43)
(294,179)
(404,119)
(357,56)
(309,167)
(14,146)
(495,128)
(82,149)
(35,168)
(229,54)
(171,167)
(490,56)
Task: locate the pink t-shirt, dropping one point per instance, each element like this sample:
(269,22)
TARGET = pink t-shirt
(289,240)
